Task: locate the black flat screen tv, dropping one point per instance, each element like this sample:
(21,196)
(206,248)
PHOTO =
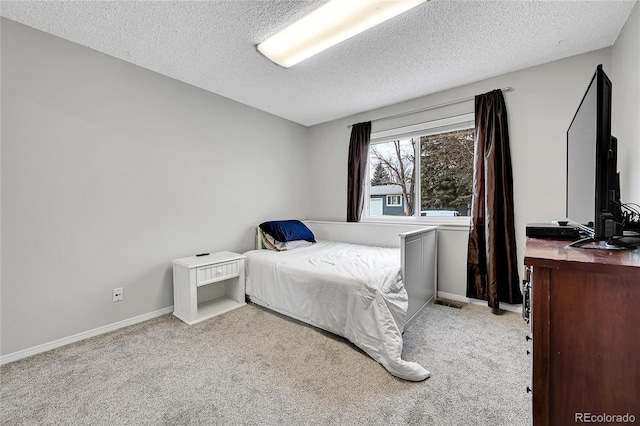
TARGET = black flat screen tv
(593,184)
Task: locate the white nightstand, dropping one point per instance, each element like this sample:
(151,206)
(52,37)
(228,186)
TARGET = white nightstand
(206,286)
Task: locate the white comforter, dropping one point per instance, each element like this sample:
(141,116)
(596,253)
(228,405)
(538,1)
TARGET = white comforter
(350,290)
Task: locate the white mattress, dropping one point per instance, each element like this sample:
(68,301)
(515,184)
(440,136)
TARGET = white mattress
(350,290)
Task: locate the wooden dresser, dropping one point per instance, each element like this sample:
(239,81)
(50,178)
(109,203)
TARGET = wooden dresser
(585,322)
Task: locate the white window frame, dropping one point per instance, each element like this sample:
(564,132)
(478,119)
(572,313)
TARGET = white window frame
(449,124)
(392,196)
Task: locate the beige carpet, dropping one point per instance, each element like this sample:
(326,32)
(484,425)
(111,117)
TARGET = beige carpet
(252,366)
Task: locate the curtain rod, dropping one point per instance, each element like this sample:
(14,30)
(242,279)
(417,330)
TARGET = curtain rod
(415,111)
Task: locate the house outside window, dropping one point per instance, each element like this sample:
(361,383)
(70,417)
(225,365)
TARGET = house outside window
(386,200)
(423,170)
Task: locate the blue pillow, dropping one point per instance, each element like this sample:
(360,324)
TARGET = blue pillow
(288,230)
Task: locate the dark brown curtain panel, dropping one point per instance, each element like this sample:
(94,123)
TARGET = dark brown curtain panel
(357,169)
(492,270)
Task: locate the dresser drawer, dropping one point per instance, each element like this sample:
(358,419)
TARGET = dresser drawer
(217,272)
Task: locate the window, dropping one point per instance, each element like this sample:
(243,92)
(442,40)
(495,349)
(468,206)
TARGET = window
(394,200)
(423,170)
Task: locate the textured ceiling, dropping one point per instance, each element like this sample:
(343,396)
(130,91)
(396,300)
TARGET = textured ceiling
(439,45)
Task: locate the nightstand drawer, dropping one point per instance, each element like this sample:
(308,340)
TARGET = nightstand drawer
(217,272)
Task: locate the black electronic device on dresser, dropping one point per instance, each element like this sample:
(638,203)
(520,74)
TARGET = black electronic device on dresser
(593,186)
(557,231)
(593,201)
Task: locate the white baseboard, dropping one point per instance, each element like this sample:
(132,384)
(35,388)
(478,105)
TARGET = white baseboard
(458,298)
(15,356)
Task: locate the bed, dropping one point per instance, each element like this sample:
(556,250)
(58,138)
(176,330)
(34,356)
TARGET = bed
(360,281)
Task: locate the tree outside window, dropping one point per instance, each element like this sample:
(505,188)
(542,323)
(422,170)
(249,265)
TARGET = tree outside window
(446,180)
(396,160)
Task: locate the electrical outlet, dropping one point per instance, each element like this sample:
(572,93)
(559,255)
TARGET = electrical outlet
(118,294)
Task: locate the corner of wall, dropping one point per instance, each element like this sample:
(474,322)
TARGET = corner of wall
(625,68)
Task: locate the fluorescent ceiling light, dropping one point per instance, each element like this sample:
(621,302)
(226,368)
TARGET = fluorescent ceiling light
(328,25)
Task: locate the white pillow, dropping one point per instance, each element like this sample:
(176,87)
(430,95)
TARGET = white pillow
(274,244)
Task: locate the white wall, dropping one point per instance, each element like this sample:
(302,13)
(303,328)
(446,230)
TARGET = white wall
(540,108)
(110,171)
(625,76)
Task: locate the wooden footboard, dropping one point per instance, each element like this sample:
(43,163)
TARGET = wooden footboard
(417,247)
(419,268)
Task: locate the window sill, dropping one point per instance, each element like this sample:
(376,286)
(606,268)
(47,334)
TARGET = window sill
(453,223)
